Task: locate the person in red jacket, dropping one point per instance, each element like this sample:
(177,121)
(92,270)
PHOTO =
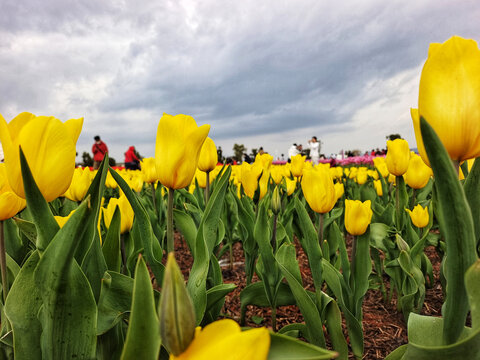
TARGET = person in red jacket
(132,162)
(99,150)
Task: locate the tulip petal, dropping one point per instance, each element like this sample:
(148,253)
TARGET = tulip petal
(74,128)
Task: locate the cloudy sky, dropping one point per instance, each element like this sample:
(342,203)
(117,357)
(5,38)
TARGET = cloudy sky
(262,73)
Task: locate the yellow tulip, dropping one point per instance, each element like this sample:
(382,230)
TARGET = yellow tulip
(149,170)
(449,98)
(126,213)
(318,189)
(208,156)
(358,216)
(461,175)
(177,149)
(418,173)
(362,176)
(419,216)
(10,203)
(110,181)
(377,184)
(201,178)
(49,147)
(339,190)
(61,220)
(381,166)
(398,156)
(277,174)
(80,183)
(263,183)
(264,159)
(249,178)
(291,186)
(223,339)
(297,164)
(136,183)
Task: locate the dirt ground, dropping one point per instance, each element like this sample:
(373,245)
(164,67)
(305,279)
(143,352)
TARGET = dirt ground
(384,327)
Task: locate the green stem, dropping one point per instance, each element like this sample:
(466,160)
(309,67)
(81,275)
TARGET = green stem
(414,195)
(274,233)
(274,318)
(3,264)
(320,228)
(152,186)
(354,260)
(170,221)
(456,166)
(397,206)
(207,188)
(123,253)
(231,255)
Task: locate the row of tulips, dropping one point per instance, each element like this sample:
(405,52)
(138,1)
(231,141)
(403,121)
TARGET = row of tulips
(77,287)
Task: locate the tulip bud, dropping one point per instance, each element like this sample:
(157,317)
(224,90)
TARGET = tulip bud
(398,156)
(339,190)
(149,170)
(381,166)
(176,312)
(208,156)
(378,187)
(358,216)
(276,202)
(10,203)
(419,216)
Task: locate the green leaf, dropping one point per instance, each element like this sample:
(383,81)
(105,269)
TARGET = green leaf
(21,308)
(254,294)
(457,227)
(13,242)
(289,267)
(42,216)
(217,293)
(187,227)
(111,245)
(27,228)
(153,251)
(143,335)
(283,347)
(205,242)
(69,312)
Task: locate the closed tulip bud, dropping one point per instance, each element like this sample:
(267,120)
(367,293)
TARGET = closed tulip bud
(177,317)
(297,164)
(378,187)
(358,216)
(276,202)
(419,216)
(249,178)
(177,149)
(208,156)
(49,147)
(126,213)
(263,183)
(136,183)
(110,181)
(339,190)
(318,189)
(449,98)
(418,173)
(79,186)
(10,203)
(398,156)
(149,170)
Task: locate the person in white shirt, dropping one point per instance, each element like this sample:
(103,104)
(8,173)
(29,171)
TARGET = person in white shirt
(314,146)
(292,151)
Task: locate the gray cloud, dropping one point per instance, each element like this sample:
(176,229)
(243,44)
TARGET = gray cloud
(247,68)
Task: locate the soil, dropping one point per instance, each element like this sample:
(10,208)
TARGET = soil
(384,327)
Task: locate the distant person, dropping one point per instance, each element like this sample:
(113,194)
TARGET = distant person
(293,150)
(260,151)
(132,162)
(99,149)
(314,146)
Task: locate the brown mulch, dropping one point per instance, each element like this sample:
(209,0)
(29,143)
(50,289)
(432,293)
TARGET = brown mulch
(384,327)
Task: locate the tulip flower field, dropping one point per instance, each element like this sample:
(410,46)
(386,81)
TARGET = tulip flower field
(88,259)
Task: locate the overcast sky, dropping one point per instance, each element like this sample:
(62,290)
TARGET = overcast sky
(262,73)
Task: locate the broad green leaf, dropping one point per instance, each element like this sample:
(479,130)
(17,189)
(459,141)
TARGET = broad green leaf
(187,227)
(21,308)
(111,244)
(218,293)
(457,227)
(27,228)
(254,294)
(283,347)
(152,249)
(143,335)
(13,242)
(45,223)
(69,312)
